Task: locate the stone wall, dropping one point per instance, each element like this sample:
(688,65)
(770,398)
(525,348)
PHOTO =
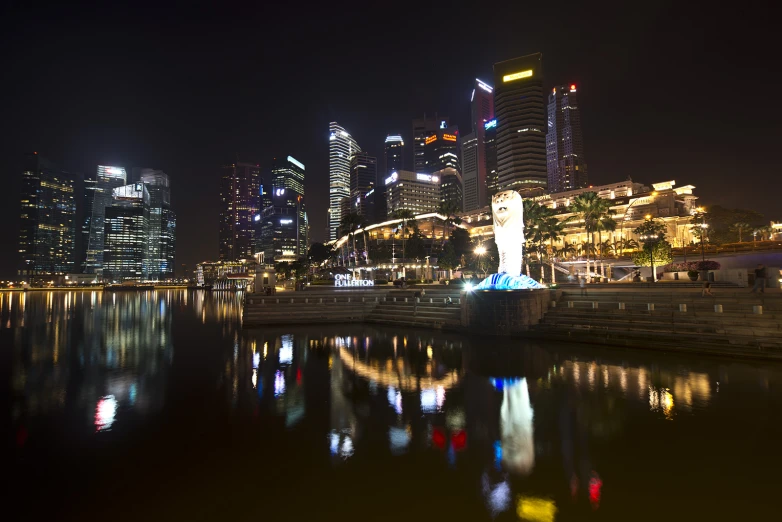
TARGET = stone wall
(504,312)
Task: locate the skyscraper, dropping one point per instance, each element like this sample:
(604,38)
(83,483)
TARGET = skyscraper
(90,188)
(490,146)
(342,147)
(567,169)
(107,178)
(450,187)
(416,192)
(240,202)
(441,150)
(48,212)
(394,161)
(162,225)
(474,147)
(363,176)
(126,234)
(521,123)
(282,225)
(422,129)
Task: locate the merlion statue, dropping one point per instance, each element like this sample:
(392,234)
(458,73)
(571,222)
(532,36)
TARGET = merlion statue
(507,209)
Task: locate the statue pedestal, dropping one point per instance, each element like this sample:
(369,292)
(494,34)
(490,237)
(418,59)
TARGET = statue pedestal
(504,312)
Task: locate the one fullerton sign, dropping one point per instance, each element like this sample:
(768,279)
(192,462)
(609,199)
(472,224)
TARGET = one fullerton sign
(347,280)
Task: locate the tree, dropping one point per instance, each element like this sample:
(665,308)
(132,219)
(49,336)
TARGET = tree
(462,244)
(552,229)
(283,268)
(449,260)
(587,206)
(662,255)
(740,227)
(350,224)
(448,209)
(764,232)
(652,235)
(604,222)
(721,219)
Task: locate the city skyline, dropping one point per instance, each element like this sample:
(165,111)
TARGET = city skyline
(626,99)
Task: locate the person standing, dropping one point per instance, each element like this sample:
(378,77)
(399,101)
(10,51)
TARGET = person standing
(582,284)
(760,279)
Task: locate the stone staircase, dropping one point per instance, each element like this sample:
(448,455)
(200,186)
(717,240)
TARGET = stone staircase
(309,307)
(430,311)
(734,321)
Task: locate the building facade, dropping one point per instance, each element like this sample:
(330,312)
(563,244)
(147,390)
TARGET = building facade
(126,234)
(342,148)
(363,177)
(441,150)
(282,227)
(422,129)
(107,178)
(565,161)
(416,192)
(394,161)
(521,123)
(490,147)
(450,187)
(162,226)
(474,147)
(240,202)
(47,233)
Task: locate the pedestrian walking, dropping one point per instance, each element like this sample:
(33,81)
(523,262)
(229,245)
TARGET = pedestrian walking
(760,279)
(706,289)
(582,284)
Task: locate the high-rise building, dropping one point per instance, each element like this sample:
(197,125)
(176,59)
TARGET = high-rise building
(282,226)
(126,234)
(422,129)
(416,192)
(521,123)
(162,225)
(490,146)
(565,161)
(342,148)
(394,161)
(474,147)
(240,202)
(450,187)
(107,178)
(48,212)
(90,188)
(363,176)
(441,150)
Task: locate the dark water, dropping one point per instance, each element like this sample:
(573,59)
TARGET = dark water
(158,406)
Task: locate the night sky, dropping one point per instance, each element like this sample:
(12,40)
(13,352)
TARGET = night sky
(677,91)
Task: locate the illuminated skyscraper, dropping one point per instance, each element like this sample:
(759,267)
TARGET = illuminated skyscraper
(490,136)
(126,234)
(416,192)
(342,147)
(422,129)
(394,161)
(48,229)
(450,187)
(282,228)
(521,123)
(441,150)
(363,176)
(107,178)
(474,147)
(240,202)
(162,225)
(90,187)
(567,169)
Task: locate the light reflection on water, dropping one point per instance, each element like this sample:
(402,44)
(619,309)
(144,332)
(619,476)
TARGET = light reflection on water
(541,428)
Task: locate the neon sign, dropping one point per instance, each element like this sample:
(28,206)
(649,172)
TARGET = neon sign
(427,177)
(297,163)
(517,76)
(347,280)
(430,139)
(286,221)
(490,124)
(449,137)
(393,177)
(483,85)
(443,125)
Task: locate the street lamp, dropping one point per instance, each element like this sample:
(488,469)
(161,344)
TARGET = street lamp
(699,212)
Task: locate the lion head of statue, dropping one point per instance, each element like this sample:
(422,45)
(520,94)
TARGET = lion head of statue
(507,209)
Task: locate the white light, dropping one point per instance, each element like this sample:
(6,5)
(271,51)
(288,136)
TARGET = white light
(428,401)
(344,134)
(257,217)
(443,125)
(279,383)
(468,287)
(286,221)
(286,350)
(393,138)
(105,412)
(484,86)
(392,178)
(297,163)
(332,137)
(490,124)
(472,97)
(435,179)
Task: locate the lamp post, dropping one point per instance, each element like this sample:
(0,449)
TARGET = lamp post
(479,251)
(699,212)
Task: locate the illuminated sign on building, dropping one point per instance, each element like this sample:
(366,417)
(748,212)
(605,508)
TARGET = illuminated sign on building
(490,124)
(430,139)
(393,177)
(279,192)
(286,221)
(347,280)
(484,85)
(257,217)
(517,76)
(443,125)
(427,177)
(297,163)
(449,137)
(573,87)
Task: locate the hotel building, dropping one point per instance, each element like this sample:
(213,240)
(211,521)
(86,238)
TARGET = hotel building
(342,148)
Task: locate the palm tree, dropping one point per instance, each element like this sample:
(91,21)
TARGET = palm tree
(740,227)
(568,250)
(406,216)
(764,232)
(449,210)
(534,213)
(350,224)
(604,222)
(552,229)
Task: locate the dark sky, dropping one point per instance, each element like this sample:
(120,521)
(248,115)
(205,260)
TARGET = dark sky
(681,91)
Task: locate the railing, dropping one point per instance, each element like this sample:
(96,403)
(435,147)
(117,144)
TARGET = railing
(266,300)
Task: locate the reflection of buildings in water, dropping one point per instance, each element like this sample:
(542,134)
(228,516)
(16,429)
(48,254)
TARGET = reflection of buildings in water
(516,430)
(690,390)
(220,307)
(92,354)
(343,422)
